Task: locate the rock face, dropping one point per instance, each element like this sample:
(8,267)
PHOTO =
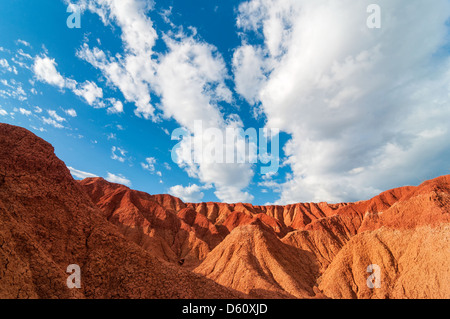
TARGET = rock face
(162,224)
(130,244)
(48,222)
(253,260)
(413,263)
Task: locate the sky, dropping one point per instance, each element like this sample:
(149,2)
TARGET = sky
(353,109)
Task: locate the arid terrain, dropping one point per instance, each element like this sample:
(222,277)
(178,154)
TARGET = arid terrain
(130,244)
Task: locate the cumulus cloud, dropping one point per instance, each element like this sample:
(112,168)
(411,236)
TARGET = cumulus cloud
(116,106)
(45,70)
(149,164)
(118,154)
(13,89)
(54,120)
(248,66)
(132,73)
(190,80)
(5,65)
(24,112)
(55,116)
(91,93)
(119,179)
(71,112)
(24,43)
(365,107)
(189,194)
(80,174)
(50,121)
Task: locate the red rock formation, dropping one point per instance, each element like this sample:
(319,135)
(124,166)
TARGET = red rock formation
(253,260)
(160,224)
(319,231)
(48,222)
(414,264)
(129,243)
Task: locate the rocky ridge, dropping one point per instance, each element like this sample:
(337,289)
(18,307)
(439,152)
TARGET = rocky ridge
(131,244)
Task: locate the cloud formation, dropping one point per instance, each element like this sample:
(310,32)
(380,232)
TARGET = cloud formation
(80,174)
(119,179)
(189,80)
(45,70)
(190,194)
(364,107)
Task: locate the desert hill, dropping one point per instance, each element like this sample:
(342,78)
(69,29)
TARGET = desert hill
(48,222)
(253,260)
(131,244)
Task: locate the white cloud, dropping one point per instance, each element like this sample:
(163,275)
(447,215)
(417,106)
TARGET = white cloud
(149,164)
(55,120)
(55,116)
(13,90)
(71,112)
(186,78)
(190,81)
(50,121)
(24,55)
(122,154)
(119,179)
(45,70)
(80,174)
(40,129)
(359,103)
(248,72)
(91,93)
(23,42)
(5,65)
(132,73)
(189,194)
(111,136)
(117,106)
(3,112)
(37,109)
(24,111)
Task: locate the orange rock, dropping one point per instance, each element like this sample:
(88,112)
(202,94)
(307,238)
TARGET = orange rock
(131,244)
(48,222)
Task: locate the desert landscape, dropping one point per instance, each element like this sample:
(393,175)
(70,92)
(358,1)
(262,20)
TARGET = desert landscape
(130,244)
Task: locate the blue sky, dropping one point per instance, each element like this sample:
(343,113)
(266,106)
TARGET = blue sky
(360,110)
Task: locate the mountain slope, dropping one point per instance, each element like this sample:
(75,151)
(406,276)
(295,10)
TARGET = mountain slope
(414,263)
(253,260)
(130,244)
(315,233)
(47,222)
(168,234)
(409,241)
